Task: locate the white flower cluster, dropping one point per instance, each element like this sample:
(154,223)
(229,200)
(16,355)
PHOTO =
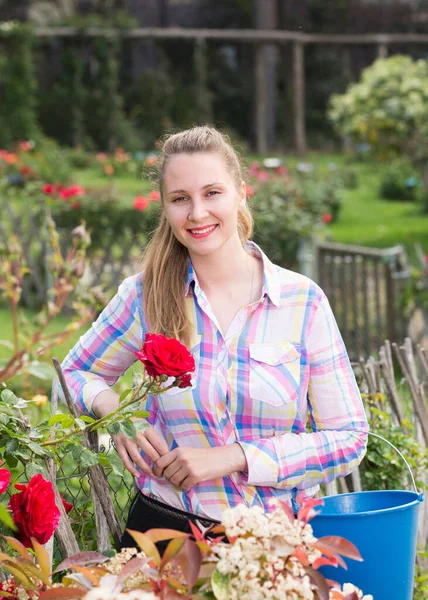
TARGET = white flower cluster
(263,559)
(349,588)
(259,561)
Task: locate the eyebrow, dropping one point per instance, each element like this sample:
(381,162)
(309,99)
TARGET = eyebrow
(204,188)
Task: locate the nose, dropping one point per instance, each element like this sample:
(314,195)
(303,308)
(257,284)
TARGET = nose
(197,210)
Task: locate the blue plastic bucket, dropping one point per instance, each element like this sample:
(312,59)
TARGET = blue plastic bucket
(383,526)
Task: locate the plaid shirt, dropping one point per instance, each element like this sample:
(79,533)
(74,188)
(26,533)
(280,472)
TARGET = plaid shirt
(281,361)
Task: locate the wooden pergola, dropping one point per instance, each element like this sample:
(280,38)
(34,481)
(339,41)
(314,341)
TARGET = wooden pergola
(261,39)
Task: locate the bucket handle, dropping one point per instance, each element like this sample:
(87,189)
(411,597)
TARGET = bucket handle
(420,494)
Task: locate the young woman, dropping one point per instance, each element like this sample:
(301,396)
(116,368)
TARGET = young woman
(266,345)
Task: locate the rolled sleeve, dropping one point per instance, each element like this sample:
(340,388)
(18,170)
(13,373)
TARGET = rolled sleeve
(108,349)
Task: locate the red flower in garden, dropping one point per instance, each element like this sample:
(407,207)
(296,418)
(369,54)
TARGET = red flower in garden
(141,203)
(166,356)
(101,157)
(4,479)
(49,188)
(282,170)
(154,195)
(262,175)
(327,218)
(250,190)
(34,510)
(25,146)
(75,205)
(25,171)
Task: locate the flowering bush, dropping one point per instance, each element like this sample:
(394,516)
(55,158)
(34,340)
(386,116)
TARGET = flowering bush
(289,207)
(267,555)
(388,109)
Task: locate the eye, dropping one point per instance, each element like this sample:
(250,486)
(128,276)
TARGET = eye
(213,192)
(179,199)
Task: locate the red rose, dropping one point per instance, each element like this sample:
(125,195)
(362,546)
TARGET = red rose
(327,218)
(67,506)
(250,190)
(141,203)
(34,510)
(4,479)
(185,381)
(165,356)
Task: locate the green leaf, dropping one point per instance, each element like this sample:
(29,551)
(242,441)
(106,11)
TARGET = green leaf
(11,446)
(87,419)
(58,419)
(38,450)
(9,397)
(42,370)
(6,518)
(113,429)
(88,458)
(220,585)
(141,414)
(124,395)
(115,463)
(34,469)
(128,429)
(141,425)
(81,424)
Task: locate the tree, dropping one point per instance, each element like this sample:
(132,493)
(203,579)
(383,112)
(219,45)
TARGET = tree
(388,108)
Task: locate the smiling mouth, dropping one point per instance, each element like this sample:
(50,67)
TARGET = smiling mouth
(202,230)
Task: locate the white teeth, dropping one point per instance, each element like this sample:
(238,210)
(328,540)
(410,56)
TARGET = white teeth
(201,231)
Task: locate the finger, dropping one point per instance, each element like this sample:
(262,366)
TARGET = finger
(124,457)
(187,484)
(163,462)
(156,441)
(134,454)
(147,447)
(179,477)
(171,470)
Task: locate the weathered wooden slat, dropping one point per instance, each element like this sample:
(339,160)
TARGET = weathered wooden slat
(97,475)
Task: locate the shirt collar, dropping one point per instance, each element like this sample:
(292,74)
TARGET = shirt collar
(271,283)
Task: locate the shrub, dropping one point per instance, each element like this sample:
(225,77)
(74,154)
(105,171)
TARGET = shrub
(388,108)
(399,182)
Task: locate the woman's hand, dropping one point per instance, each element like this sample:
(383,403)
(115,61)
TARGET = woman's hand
(129,450)
(185,467)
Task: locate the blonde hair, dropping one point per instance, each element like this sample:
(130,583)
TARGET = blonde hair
(165,260)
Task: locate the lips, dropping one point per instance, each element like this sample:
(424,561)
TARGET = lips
(198,232)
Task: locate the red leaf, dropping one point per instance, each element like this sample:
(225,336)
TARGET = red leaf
(319,581)
(287,508)
(340,546)
(159,535)
(332,556)
(66,593)
(322,561)
(300,554)
(306,512)
(331,583)
(190,560)
(172,550)
(197,534)
(352,596)
(81,558)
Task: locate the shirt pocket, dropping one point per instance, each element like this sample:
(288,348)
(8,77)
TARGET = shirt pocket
(274,372)
(195,350)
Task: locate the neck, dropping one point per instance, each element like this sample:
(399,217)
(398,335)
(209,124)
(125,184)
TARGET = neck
(225,267)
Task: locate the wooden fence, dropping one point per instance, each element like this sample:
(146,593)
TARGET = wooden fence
(262,40)
(364,288)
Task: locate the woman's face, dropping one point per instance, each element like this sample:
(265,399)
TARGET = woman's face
(201,202)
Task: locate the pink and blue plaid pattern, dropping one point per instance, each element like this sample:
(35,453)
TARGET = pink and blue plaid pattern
(281,363)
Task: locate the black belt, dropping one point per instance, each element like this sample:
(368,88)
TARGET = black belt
(174,513)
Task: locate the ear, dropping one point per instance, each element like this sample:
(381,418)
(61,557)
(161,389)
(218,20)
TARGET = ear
(243,195)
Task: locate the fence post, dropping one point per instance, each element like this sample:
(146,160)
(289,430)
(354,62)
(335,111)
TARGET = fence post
(299,97)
